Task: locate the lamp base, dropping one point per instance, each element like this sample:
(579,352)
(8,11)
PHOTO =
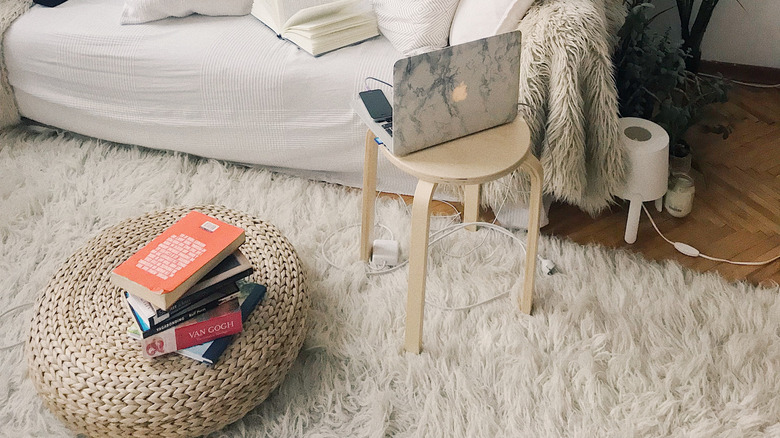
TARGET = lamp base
(632,223)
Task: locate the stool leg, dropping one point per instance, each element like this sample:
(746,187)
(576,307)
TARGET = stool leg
(632,224)
(418,263)
(659,204)
(532,166)
(369,198)
(471,205)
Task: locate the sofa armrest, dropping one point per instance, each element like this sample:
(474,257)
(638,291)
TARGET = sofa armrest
(10,10)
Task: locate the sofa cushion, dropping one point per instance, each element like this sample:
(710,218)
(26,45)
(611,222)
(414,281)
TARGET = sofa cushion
(414,26)
(142,11)
(475,19)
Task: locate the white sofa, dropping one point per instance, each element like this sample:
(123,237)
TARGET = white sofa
(228,88)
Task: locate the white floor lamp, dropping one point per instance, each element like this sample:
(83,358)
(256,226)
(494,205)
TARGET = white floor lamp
(647,147)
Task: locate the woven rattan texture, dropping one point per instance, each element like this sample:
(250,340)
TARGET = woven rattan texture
(91,375)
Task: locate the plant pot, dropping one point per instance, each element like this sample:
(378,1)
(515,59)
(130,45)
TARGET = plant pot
(680,158)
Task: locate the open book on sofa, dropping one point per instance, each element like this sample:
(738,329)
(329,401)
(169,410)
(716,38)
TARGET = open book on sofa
(318,26)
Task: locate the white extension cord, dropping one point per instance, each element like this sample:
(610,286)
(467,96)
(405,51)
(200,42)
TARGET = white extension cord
(690,251)
(385,267)
(547,266)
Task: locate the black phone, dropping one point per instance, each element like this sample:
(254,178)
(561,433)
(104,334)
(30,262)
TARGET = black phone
(377,105)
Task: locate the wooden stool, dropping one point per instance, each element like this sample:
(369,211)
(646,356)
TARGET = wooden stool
(468,161)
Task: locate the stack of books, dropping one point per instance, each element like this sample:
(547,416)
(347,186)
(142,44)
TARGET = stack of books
(187,290)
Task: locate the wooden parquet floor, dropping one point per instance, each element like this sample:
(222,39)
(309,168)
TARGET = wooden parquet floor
(736,211)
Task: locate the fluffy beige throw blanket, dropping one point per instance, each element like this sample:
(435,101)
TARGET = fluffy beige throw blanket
(566,84)
(568,88)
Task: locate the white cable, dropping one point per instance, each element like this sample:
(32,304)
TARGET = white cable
(470,306)
(365,82)
(766,262)
(400,198)
(507,186)
(452,222)
(466,254)
(495,218)
(455,209)
(690,251)
(8,347)
(747,84)
(447,231)
(438,235)
(546,265)
(330,236)
(451,218)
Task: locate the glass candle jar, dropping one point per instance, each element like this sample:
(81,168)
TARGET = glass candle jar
(679,198)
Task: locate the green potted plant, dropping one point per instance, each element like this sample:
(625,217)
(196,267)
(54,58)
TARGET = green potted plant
(652,80)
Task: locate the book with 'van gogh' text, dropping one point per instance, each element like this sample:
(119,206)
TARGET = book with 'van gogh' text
(250,295)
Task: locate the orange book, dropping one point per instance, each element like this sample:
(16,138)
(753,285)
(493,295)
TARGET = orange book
(163,270)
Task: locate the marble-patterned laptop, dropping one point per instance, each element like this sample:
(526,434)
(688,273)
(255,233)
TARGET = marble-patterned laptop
(456,91)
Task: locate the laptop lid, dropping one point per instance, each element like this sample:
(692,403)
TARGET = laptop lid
(456,91)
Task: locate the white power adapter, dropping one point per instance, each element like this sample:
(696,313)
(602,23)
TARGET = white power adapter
(548,266)
(385,253)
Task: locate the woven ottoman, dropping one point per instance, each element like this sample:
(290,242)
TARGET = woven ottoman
(95,379)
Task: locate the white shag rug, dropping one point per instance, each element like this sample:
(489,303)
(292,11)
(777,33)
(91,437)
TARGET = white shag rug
(617,346)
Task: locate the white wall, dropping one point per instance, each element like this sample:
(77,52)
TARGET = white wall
(749,36)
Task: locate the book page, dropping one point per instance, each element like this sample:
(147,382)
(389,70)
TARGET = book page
(328,24)
(267,11)
(317,11)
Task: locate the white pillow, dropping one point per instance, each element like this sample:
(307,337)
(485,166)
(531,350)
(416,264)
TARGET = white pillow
(415,25)
(475,19)
(142,11)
